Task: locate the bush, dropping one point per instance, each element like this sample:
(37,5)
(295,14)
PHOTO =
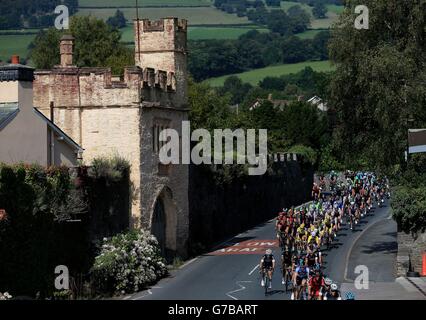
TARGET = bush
(111,168)
(409,208)
(127,263)
(308,154)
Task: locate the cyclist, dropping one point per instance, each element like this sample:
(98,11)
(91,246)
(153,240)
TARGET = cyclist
(286,263)
(315,192)
(300,278)
(315,286)
(326,289)
(333,294)
(267,266)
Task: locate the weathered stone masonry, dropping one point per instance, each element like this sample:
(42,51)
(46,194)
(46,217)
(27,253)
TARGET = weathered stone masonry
(107,116)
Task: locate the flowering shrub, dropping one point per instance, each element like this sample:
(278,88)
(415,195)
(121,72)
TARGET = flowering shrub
(128,262)
(5,296)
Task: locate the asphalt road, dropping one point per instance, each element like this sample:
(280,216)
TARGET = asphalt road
(230,272)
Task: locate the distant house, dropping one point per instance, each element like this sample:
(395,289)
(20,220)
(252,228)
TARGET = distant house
(277,103)
(26,135)
(320,103)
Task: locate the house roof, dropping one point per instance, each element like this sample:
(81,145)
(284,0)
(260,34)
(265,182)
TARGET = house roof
(277,103)
(58,131)
(315,99)
(8,111)
(16,72)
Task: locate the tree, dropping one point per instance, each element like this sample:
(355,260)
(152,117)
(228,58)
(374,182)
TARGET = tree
(96,45)
(379,82)
(208,109)
(300,19)
(273,3)
(44,51)
(319,10)
(118,20)
(320,44)
(236,88)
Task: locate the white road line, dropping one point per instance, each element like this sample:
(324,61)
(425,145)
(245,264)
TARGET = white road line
(353,245)
(149,292)
(238,290)
(187,263)
(251,272)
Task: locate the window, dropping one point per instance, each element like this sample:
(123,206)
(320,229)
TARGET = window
(158,132)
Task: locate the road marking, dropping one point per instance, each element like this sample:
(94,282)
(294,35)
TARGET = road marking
(251,272)
(238,290)
(246,247)
(187,263)
(149,292)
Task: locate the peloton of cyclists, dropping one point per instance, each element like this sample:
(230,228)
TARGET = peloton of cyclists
(301,232)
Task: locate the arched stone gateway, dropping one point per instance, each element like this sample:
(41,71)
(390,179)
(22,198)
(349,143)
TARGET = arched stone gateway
(164,223)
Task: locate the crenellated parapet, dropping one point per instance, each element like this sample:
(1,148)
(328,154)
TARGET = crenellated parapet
(79,87)
(162,25)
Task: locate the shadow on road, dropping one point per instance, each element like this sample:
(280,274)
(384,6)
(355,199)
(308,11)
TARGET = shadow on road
(273,292)
(390,247)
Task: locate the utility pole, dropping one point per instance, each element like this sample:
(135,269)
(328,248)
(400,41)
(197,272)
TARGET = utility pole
(138,32)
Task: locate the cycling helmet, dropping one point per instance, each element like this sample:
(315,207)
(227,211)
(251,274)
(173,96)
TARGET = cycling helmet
(349,296)
(328,281)
(268,251)
(333,287)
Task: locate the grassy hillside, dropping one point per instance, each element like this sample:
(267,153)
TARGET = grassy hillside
(254,76)
(142,3)
(205,33)
(202,33)
(199,16)
(309,34)
(332,14)
(12,44)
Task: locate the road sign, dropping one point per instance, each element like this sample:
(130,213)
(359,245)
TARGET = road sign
(416,140)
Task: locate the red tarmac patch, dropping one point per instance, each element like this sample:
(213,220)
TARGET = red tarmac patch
(246,247)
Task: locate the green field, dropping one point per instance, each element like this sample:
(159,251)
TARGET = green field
(310,34)
(220,33)
(332,14)
(254,76)
(142,3)
(204,15)
(334,8)
(288,4)
(10,45)
(202,33)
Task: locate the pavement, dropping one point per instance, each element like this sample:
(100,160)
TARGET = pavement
(230,272)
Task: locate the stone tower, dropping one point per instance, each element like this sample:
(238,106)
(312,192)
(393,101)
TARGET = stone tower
(107,115)
(162,45)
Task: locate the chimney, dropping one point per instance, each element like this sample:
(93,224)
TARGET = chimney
(15,59)
(66,50)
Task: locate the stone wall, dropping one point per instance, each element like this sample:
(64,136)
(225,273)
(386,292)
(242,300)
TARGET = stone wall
(166,183)
(410,250)
(219,210)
